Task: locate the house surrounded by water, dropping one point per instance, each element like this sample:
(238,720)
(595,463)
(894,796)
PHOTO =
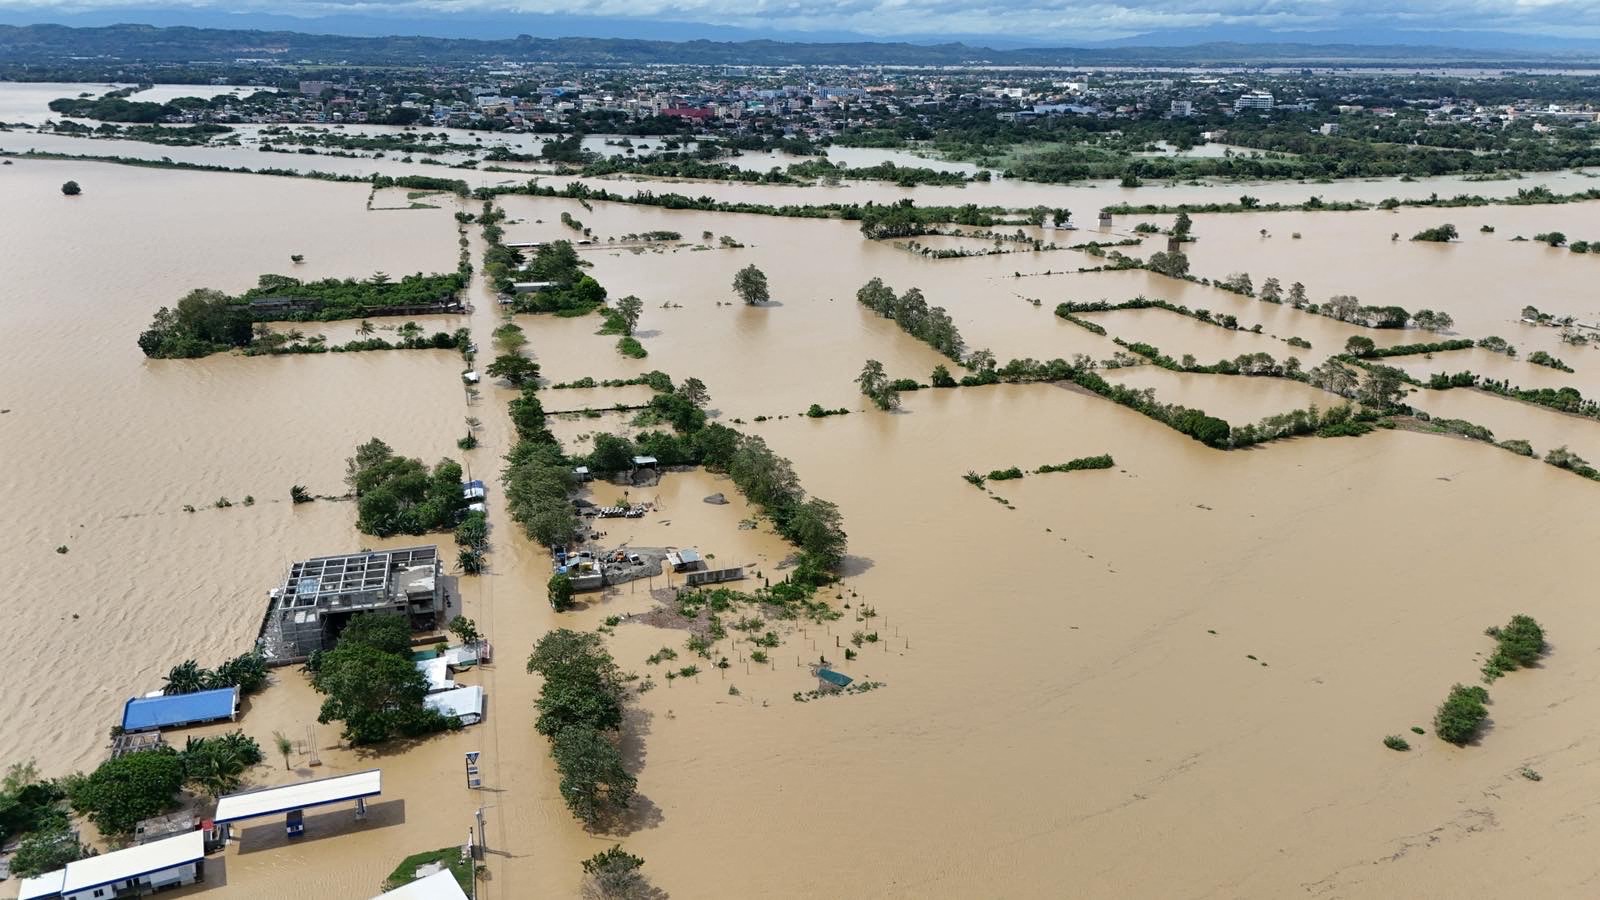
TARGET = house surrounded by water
(320,595)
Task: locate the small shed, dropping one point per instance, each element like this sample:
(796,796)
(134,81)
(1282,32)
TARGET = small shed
(687,559)
(170,711)
(582,473)
(644,462)
(470,377)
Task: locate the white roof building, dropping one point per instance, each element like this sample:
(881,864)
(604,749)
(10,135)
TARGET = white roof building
(302,795)
(41,886)
(437,671)
(463,703)
(441,885)
(165,863)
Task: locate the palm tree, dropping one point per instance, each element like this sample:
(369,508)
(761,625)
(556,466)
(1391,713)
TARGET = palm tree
(185,678)
(284,745)
(366,328)
(216,771)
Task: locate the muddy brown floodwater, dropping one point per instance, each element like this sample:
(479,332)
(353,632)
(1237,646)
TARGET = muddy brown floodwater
(1169,678)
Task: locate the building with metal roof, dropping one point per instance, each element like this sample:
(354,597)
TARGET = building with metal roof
(319,596)
(141,869)
(172,710)
(464,704)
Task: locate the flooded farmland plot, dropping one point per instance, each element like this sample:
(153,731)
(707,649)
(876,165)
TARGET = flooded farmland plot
(1095,641)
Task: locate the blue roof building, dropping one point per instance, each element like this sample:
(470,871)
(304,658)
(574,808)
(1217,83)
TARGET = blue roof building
(147,713)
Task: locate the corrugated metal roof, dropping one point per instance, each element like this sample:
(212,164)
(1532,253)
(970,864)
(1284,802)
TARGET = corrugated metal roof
(145,713)
(464,703)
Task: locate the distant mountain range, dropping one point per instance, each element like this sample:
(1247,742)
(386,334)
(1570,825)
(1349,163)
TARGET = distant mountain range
(51,44)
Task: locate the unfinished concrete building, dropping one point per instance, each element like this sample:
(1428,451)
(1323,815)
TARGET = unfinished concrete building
(320,596)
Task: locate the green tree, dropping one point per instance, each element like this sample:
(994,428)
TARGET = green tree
(694,391)
(559,588)
(613,874)
(46,850)
(874,384)
(1382,388)
(1181,225)
(185,678)
(465,630)
(594,782)
(1359,345)
(215,766)
(377,695)
(750,283)
(284,746)
(71,189)
(941,377)
(518,370)
(611,453)
(128,788)
(388,632)
(628,310)
(1175,263)
(509,338)
(1461,714)
(818,528)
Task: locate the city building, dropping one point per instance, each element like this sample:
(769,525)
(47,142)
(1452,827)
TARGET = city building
(1259,101)
(1182,109)
(319,596)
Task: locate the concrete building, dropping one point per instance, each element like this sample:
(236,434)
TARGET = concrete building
(320,595)
(1329,128)
(1259,101)
(1181,109)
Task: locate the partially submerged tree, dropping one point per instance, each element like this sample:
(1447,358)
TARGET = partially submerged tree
(874,383)
(128,788)
(613,874)
(628,310)
(750,283)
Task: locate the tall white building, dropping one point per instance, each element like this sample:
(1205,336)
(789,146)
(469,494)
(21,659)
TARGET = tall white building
(1256,100)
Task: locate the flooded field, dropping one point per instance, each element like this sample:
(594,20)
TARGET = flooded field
(1166,678)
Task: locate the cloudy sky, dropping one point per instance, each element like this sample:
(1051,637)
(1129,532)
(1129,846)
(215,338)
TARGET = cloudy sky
(1019,21)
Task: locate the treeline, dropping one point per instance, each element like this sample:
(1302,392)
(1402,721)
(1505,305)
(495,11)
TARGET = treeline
(931,325)
(1260,363)
(1103,461)
(400,495)
(901,219)
(1566,399)
(421,183)
(904,176)
(1364,348)
(247,672)
(331,299)
(208,321)
(581,712)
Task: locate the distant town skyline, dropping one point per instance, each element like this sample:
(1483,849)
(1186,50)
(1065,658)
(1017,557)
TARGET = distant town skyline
(1552,24)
